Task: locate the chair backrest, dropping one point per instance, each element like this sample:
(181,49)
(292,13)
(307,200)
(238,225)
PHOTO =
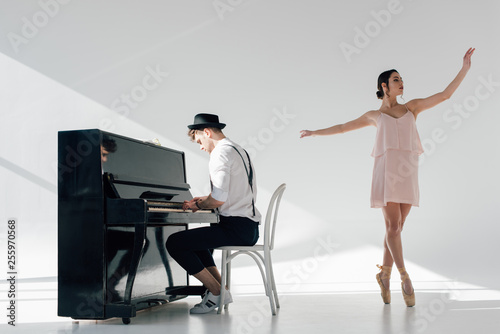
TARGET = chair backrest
(272,216)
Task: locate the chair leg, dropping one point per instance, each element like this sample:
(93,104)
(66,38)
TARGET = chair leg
(228,276)
(269,281)
(222,281)
(273,283)
(266,273)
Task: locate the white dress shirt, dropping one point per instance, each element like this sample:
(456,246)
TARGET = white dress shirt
(230,181)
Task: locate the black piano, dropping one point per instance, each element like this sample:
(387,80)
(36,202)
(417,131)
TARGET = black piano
(118,201)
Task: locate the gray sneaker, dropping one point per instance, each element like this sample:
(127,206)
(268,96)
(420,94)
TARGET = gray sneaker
(210,302)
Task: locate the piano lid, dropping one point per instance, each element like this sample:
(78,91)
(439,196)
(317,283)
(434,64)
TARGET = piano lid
(139,163)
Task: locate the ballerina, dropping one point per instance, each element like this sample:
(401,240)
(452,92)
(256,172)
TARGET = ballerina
(395,173)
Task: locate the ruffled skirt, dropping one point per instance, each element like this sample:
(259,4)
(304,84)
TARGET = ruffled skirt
(395,178)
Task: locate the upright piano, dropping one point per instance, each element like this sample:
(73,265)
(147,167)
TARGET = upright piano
(118,201)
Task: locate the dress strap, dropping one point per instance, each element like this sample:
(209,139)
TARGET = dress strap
(406,108)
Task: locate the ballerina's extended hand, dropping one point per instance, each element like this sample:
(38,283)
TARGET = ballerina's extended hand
(467,57)
(305,133)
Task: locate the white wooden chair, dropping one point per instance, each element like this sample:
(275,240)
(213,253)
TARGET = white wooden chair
(261,253)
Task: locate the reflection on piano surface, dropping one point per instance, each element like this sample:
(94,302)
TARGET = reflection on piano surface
(119,200)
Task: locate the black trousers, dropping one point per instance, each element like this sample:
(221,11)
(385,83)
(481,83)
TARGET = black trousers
(192,248)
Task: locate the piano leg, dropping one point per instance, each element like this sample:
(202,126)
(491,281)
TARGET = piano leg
(160,244)
(139,243)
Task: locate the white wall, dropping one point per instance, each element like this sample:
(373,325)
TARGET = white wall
(269,69)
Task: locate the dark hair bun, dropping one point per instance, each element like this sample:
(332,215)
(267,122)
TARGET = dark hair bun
(383,78)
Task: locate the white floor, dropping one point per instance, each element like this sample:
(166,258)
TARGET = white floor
(441,308)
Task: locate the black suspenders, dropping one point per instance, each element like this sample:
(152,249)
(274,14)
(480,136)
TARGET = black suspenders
(249,174)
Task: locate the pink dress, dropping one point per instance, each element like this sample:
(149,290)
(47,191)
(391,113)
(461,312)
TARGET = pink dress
(396,151)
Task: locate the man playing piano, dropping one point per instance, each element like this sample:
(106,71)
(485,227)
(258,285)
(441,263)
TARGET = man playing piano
(233,194)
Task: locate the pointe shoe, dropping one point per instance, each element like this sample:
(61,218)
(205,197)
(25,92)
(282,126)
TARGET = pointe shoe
(385,272)
(409,298)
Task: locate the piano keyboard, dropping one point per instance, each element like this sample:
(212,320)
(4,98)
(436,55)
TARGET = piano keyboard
(159,206)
